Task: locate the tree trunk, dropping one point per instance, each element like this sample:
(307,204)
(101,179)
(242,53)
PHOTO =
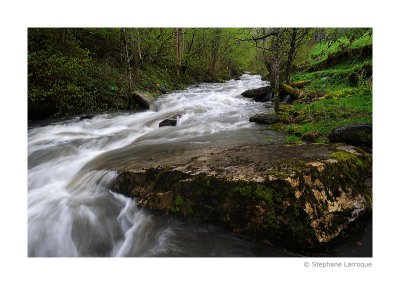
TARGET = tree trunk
(137,54)
(128,66)
(292,51)
(215,43)
(275,45)
(178,49)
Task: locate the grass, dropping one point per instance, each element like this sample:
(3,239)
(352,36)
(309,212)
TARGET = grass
(323,49)
(340,95)
(293,139)
(334,76)
(324,115)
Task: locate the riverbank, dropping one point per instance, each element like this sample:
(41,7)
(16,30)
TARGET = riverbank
(335,95)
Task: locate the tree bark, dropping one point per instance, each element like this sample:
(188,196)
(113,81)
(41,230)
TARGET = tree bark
(275,80)
(178,32)
(215,44)
(128,66)
(137,54)
(291,54)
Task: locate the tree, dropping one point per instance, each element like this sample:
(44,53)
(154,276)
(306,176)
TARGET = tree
(128,58)
(136,51)
(271,44)
(179,36)
(297,37)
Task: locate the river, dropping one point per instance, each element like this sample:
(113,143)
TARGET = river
(71,210)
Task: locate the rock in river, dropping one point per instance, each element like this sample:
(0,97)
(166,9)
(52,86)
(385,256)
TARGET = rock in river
(171,121)
(264,118)
(297,196)
(259,94)
(144,99)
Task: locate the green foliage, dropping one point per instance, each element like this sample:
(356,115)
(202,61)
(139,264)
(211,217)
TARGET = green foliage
(293,139)
(322,116)
(338,40)
(342,95)
(64,78)
(78,70)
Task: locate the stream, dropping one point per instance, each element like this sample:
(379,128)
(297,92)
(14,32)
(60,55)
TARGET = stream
(71,210)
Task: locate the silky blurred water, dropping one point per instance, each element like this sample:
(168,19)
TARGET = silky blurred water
(72,212)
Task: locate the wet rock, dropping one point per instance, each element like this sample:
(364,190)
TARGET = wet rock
(163,89)
(358,134)
(297,196)
(85,117)
(259,94)
(171,121)
(264,118)
(288,99)
(144,99)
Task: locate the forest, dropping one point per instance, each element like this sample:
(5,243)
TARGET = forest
(200,141)
(79,70)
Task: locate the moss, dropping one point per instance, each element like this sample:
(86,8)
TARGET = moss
(341,155)
(182,207)
(254,192)
(277,174)
(179,202)
(164,178)
(345,156)
(289,89)
(368,197)
(262,210)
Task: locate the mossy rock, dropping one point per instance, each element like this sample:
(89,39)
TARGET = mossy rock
(358,134)
(264,118)
(296,196)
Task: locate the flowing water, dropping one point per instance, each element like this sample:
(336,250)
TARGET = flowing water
(72,212)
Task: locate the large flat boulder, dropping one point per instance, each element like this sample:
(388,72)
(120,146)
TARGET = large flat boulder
(297,196)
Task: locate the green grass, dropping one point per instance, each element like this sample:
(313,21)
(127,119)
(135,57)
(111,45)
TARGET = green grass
(351,102)
(333,76)
(337,100)
(324,115)
(323,49)
(324,126)
(318,53)
(293,139)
